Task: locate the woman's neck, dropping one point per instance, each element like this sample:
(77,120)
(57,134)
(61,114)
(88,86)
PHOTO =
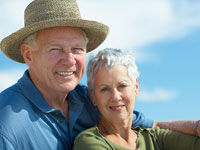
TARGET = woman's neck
(118,128)
(119,133)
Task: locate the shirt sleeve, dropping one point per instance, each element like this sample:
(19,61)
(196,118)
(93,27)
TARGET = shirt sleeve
(140,120)
(5,144)
(169,139)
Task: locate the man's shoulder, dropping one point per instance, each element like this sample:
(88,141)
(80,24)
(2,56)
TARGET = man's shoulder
(18,117)
(9,95)
(81,89)
(13,106)
(80,93)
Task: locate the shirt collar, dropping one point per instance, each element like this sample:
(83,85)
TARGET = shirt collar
(32,94)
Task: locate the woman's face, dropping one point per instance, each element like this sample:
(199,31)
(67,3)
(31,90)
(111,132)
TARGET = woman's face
(114,94)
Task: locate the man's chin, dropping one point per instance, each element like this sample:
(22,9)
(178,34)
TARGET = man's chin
(67,88)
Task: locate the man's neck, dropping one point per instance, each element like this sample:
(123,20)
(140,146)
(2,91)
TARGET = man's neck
(59,102)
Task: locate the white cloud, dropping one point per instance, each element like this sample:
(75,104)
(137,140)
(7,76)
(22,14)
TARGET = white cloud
(9,77)
(157,94)
(135,23)
(12,16)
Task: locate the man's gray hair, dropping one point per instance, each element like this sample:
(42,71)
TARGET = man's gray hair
(110,57)
(31,40)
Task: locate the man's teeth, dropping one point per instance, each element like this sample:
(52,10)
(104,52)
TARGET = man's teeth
(65,73)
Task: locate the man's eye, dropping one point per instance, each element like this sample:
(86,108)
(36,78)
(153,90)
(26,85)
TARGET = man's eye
(54,49)
(78,49)
(104,89)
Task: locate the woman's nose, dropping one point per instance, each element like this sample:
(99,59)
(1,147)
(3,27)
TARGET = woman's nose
(116,95)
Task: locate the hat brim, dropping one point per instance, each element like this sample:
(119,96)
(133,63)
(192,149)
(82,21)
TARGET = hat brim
(96,33)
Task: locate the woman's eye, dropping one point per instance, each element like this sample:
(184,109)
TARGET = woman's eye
(122,86)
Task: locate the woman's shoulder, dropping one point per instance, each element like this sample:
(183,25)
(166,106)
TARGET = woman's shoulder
(88,135)
(90,139)
(90,131)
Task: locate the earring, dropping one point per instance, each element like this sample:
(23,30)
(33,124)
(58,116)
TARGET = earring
(136,93)
(94,103)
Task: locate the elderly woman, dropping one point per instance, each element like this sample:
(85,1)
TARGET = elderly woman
(112,81)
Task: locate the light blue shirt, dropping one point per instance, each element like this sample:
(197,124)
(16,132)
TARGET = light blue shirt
(28,122)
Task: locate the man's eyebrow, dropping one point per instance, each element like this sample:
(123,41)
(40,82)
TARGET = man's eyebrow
(80,44)
(53,44)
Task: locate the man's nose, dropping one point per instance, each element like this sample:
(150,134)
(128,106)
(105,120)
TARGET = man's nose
(68,58)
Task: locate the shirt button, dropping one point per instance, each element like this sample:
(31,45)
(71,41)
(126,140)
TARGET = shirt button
(61,121)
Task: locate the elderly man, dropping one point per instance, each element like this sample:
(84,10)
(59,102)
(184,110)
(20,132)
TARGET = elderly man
(47,107)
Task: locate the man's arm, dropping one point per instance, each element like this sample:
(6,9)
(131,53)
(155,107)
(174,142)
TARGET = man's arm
(140,120)
(191,127)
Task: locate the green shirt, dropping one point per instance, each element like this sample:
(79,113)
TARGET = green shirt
(148,139)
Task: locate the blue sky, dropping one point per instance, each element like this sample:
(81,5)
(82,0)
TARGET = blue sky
(164,36)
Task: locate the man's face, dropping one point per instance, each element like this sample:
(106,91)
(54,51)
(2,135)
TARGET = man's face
(58,59)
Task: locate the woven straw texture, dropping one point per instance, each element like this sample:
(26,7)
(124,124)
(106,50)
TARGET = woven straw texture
(41,14)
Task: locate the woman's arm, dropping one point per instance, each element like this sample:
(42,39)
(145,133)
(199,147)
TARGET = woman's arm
(191,127)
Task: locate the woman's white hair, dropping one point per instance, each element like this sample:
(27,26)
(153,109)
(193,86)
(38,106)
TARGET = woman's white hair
(110,57)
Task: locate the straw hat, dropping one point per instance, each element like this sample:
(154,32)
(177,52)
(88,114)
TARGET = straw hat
(41,14)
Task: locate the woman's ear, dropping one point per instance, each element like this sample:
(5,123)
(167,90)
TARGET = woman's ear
(26,53)
(92,97)
(137,88)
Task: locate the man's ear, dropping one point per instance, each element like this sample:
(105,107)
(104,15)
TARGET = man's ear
(137,88)
(92,97)
(26,53)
